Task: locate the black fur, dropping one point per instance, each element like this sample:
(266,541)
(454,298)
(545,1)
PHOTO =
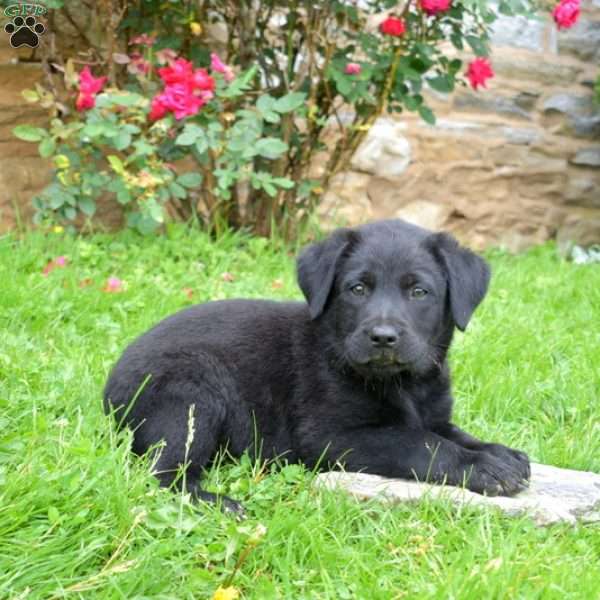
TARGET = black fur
(358,377)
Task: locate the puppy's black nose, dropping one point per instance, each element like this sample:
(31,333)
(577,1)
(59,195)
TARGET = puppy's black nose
(383,336)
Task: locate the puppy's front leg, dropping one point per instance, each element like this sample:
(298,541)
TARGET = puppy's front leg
(515,458)
(417,454)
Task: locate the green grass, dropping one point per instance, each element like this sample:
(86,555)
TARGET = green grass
(79,517)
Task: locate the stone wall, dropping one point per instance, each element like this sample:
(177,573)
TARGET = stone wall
(513,165)
(516,164)
(22,171)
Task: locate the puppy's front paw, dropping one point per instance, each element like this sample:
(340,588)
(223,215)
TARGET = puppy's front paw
(518,459)
(494,476)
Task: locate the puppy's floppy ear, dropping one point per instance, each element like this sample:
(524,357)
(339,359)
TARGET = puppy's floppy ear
(316,268)
(468,276)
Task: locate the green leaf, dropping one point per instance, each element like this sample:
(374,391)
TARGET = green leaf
(127,99)
(177,190)
(30,96)
(441,83)
(190,134)
(61,161)
(240,84)
(427,115)
(478,45)
(270,189)
(122,140)
(47,147)
(156,211)
(271,117)
(289,102)
(270,147)
(283,182)
(186,138)
(96,129)
(87,206)
(28,133)
(411,102)
(57,199)
(190,180)
(265,103)
(456,40)
(201,145)
(116,163)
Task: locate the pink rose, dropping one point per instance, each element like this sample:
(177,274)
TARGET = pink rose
(186,90)
(479,72)
(181,100)
(179,71)
(201,80)
(566,13)
(353,69)
(89,86)
(138,64)
(219,67)
(433,7)
(143,39)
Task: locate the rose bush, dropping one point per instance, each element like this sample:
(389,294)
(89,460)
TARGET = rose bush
(265,121)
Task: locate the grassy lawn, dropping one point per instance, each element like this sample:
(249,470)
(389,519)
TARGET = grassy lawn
(80,518)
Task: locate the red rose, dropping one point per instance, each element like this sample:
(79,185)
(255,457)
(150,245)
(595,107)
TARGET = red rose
(89,86)
(157,109)
(186,90)
(433,7)
(179,71)
(393,26)
(201,80)
(566,13)
(479,72)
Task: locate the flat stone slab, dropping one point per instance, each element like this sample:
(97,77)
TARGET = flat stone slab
(554,495)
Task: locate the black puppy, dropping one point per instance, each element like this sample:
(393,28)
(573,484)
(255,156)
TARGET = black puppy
(357,377)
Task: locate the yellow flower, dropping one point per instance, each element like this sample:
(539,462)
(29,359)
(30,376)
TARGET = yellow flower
(195,28)
(58,229)
(228,593)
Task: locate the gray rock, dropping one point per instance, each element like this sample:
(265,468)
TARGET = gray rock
(491,104)
(521,135)
(588,127)
(554,494)
(583,116)
(569,104)
(582,41)
(526,100)
(518,32)
(583,190)
(588,157)
(536,70)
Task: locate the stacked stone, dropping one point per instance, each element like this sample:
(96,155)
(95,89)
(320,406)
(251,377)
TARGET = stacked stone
(512,165)
(22,171)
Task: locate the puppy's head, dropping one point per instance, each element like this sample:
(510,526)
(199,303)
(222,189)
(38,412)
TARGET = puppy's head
(389,294)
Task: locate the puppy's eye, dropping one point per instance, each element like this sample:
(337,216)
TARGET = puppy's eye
(358,289)
(418,292)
